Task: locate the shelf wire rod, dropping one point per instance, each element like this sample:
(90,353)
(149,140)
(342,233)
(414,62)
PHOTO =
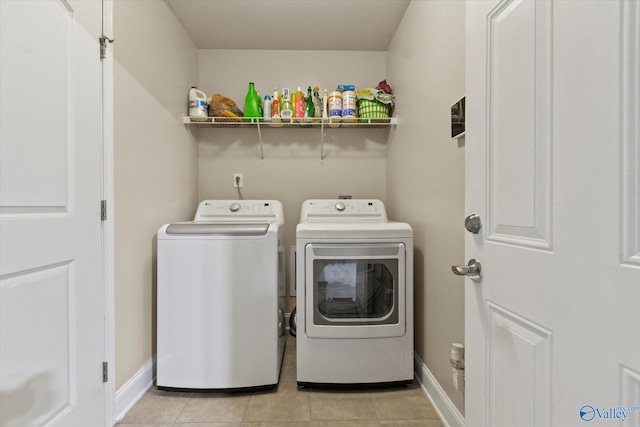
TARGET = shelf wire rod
(260,139)
(321,140)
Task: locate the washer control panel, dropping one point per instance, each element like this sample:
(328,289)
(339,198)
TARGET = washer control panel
(239,210)
(342,210)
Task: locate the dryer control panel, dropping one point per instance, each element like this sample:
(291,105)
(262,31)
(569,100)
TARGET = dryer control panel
(343,210)
(239,211)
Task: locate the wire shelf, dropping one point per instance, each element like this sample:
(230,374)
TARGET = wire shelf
(227,122)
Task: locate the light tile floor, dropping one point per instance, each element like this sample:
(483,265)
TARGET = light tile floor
(286,407)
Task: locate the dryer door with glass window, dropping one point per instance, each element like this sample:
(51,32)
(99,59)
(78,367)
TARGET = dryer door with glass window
(355,290)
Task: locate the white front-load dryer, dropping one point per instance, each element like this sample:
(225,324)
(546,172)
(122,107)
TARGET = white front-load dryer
(354,280)
(221,297)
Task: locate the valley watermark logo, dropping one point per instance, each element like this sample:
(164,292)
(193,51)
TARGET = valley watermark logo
(589,413)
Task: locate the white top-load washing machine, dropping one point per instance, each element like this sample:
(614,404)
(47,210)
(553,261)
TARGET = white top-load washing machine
(354,279)
(221,297)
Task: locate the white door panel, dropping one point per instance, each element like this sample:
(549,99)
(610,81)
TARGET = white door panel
(52,340)
(34,166)
(518,127)
(552,169)
(518,358)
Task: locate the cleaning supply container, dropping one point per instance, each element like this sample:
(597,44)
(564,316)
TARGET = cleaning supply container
(349,106)
(197,105)
(335,108)
(252,104)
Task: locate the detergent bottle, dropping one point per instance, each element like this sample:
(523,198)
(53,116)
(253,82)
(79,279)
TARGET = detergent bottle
(252,104)
(299,105)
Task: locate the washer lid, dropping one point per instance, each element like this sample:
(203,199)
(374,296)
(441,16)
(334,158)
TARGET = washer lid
(245,229)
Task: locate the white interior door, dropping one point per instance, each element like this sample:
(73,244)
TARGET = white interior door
(52,339)
(553,170)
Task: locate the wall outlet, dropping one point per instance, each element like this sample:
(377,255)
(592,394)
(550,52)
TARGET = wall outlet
(238,180)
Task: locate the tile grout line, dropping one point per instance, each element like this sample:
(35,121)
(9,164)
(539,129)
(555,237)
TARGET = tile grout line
(246,409)
(182,409)
(373,403)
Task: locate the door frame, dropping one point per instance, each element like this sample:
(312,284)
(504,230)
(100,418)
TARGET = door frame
(108,225)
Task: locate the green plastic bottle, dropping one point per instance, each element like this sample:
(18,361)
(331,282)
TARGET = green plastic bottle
(317,102)
(252,107)
(308,114)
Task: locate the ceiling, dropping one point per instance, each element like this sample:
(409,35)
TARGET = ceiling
(358,25)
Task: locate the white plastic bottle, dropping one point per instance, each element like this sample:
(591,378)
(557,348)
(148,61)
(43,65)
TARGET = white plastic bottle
(275,108)
(197,105)
(325,100)
(266,108)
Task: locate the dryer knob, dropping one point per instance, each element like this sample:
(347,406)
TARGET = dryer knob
(235,207)
(340,206)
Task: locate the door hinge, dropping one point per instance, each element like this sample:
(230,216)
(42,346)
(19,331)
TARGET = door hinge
(105,372)
(103,210)
(103,46)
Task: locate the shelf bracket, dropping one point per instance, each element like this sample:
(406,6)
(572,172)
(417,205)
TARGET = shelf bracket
(392,131)
(260,138)
(321,140)
(190,131)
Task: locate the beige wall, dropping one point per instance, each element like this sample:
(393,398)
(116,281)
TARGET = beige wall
(292,172)
(163,170)
(155,163)
(425,172)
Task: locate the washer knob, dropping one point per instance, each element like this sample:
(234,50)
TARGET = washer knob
(235,207)
(340,206)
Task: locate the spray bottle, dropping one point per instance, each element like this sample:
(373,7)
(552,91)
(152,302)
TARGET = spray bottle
(325,99)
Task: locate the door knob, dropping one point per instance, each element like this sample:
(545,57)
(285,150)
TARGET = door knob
(472,270)
(472,223)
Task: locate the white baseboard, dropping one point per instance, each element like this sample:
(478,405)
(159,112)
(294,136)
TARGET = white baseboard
(450,415)
(134,389)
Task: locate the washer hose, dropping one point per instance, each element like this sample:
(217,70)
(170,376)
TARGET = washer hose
(292,323)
